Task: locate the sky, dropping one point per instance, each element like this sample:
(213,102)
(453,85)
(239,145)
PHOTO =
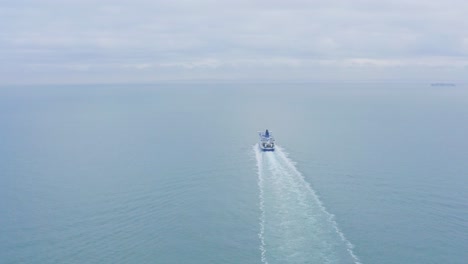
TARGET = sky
(141,41)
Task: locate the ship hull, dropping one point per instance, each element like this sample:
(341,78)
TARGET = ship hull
(267,149)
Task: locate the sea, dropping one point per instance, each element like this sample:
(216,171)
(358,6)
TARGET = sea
(172,173)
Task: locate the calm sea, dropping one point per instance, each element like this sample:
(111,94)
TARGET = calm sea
(170,173)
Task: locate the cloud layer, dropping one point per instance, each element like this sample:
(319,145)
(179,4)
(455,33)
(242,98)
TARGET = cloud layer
(86,41)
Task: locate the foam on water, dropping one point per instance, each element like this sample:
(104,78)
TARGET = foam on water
(262,211)
(295,226)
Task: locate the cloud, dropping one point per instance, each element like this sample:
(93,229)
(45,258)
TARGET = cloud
(126,41)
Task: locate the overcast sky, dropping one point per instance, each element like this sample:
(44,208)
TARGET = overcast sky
(113,41)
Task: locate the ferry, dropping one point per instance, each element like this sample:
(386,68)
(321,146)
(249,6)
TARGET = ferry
(267,142)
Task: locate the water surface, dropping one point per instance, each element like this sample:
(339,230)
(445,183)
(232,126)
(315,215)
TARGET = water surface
(369,173)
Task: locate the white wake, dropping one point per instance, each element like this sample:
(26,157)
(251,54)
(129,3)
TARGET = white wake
(295,227)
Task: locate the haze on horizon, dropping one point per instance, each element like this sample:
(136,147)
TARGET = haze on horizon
(86,41)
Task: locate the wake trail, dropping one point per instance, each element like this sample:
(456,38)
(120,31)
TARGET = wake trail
(262,211)
(295,226)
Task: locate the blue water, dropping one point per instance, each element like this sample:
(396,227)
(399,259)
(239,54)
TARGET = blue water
(170,173)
